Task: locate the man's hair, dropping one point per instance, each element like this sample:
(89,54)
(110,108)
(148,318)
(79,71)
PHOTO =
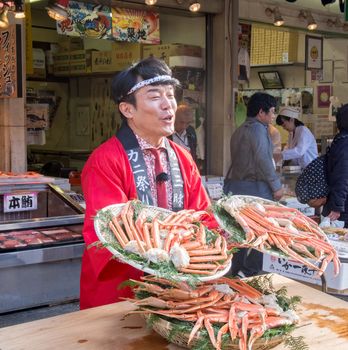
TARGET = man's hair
(280,120)
(260,100)
(342,118)
(184,109)
(145,69)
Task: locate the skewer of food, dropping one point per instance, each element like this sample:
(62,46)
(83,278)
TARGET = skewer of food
(162,242)
(269,227)
(220,312)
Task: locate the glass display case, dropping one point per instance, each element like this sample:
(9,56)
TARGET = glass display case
(41,243)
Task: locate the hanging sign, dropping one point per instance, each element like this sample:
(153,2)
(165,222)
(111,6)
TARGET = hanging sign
(86,20)
(14,202)
(8,62)
(135,26)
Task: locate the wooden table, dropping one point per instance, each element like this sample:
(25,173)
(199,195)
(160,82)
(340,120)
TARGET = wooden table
(324,321)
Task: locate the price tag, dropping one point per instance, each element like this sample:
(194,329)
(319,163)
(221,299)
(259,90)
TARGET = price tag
(15,202)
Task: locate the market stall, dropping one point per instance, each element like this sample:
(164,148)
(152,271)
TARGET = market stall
(40,242)
(323,325)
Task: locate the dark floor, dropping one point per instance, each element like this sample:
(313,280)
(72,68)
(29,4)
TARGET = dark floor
(17,317)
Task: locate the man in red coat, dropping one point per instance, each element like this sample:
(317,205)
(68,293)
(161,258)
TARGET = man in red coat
(123,168)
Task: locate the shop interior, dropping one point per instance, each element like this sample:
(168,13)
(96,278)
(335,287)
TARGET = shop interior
(69,110)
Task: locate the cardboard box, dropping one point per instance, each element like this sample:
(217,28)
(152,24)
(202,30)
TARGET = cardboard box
(73,62)
(185,61)
(125,54)
(165,51)
(102,61)
(292,269)
(39,63)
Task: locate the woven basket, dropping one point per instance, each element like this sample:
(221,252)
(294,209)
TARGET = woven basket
(163,328)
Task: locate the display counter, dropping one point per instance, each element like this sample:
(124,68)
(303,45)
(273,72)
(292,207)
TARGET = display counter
(323,325)
(41,244)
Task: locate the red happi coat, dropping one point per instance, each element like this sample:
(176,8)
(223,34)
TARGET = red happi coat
(107,179)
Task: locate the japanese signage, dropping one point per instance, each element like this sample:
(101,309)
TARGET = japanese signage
(8,62)
(14,202)
(135,26)
(87,20)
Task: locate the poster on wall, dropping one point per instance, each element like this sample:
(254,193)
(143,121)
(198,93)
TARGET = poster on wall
(86,20)
(324,93)
(313,52)
(8,62)
(135,26)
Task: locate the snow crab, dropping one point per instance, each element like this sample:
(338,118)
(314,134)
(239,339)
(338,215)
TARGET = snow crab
(233,306)
(269,226)
(177,237)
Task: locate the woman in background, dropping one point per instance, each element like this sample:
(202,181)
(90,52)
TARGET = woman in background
(302,146)
(336,207)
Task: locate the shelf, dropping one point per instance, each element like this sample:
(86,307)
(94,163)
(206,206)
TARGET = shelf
(277,64)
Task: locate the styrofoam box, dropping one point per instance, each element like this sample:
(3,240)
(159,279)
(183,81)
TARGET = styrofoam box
(292,202)
(293,269)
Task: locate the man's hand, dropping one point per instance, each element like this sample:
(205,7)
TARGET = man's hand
(278,194)
(334,215)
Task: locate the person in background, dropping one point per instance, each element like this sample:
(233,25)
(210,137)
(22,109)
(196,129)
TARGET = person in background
(302,147)
(276,141)
(252,171)
(336,207)
(185,134)
(135,163)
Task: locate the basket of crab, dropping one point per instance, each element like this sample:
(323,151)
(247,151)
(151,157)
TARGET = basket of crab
(163,243)
(272,228)
(221,314)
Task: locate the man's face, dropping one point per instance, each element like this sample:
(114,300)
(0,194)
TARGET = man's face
(154,114)
(266,117)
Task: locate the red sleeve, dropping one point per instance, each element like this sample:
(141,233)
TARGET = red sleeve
(105,182)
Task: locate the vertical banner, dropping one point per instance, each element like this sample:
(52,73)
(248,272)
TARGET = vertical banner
(28,39)
(135,26)
(8,62)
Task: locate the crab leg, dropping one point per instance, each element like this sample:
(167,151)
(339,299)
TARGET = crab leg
(196,327)
(117,234)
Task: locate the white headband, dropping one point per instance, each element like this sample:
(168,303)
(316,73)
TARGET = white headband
(151,81)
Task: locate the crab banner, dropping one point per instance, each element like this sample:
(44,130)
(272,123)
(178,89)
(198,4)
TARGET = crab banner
(135,26)
(86,20)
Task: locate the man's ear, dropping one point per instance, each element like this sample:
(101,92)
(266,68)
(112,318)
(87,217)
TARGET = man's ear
(127,109)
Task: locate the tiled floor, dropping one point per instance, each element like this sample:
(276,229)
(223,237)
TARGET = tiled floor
(17,317)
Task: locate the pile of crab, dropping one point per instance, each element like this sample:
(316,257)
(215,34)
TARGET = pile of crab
(230,310)
(179,238)
(270,227)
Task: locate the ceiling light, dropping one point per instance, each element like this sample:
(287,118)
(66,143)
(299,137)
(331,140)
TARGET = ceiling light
(311,23)
(150,2)
(277,17)
(58,10)
(4,23)
(19,9)
(194,6)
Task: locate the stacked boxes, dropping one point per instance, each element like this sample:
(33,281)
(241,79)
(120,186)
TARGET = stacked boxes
(72,62)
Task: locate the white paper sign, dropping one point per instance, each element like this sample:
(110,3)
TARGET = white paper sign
(15,202)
